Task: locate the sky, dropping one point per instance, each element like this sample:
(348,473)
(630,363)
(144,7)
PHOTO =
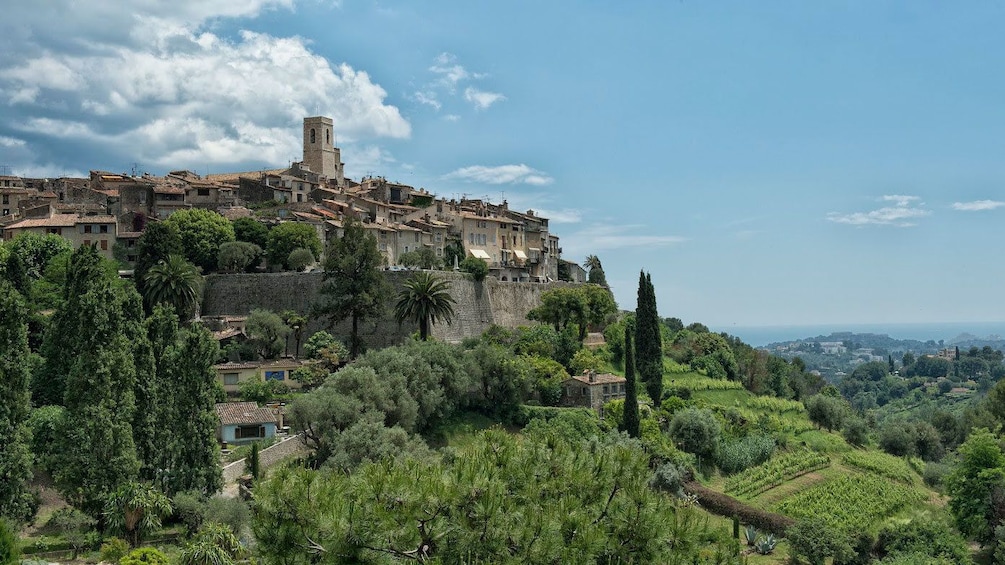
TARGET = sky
(768,163)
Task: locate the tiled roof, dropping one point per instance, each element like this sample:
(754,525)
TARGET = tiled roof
(55,221)
(236,413)
(96,220)
(601,379)
(246,174)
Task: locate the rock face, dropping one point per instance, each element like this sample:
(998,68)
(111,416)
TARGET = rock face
(479,304)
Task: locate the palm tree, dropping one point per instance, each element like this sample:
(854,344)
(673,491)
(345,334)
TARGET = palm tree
(425,299)
(593,262)
(175,282)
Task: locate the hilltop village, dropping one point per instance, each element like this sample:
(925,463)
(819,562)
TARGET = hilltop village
(111,211)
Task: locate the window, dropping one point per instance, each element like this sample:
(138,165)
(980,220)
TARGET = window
(313,140)
(328,135)
(416,236)
(203,192)
(300,197)
(275,375)
(439,237)
(88,228)
(606,390)
(247,432)
(439,251)
(103,229)
(104,245)
(6,197)
(231,378)
(621,388)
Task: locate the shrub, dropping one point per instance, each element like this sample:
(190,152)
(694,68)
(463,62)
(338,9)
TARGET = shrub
(231,512)
(814,541)
(897,438)
(935,474)
(299,259)
(144,556)
(668,478)
(856,431)
(114,549)
(923,534)
(238,256)
(10,545)
(696,431)
(190,510)
(477,268)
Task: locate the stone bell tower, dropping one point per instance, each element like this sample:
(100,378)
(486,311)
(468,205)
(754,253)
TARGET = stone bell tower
(320,153)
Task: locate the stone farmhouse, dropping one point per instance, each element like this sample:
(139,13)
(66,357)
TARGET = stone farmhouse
(592,390)
(110,210)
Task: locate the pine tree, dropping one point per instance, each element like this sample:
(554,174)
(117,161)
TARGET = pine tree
(631,417)
(95,451)
(16,500)
(648,346)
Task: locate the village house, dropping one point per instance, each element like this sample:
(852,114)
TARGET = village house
(592,390)
(99,231)
(245,422)
(231,375)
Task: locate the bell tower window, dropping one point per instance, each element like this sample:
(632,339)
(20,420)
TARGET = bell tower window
(313,139)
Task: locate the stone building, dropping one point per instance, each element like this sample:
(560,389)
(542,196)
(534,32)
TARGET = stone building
(592,390)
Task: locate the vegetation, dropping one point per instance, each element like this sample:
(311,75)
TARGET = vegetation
(648,340)
(17,501)
(354,287)
(850,503)
(288,237)
(202,232)
(425,300)
(631,417)
(477,268)
(174,282)
(765,476)
(881,464)
(267,333)
(238,256)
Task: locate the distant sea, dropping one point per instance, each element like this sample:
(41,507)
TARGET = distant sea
(764,335)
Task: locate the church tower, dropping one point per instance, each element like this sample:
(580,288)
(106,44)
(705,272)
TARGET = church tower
(320,153)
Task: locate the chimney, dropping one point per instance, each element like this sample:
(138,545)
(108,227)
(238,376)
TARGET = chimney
(591,374)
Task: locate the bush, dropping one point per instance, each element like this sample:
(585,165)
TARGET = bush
(814,541)
(856,431)
(925,535)
(897,438)
(477,268)
(935,474)
(144,556)
(696,431)
(668,478)
(10,545)
(114,549)
(300,259)
(231,512)
(190,510)
(238,256)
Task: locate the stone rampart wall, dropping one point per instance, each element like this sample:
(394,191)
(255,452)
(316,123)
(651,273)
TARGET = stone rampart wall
(479,304)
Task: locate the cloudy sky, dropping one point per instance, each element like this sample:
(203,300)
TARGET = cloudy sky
(769,163)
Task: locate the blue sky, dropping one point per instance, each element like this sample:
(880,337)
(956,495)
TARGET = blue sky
(769,163)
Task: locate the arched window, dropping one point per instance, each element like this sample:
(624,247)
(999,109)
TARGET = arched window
(312,136)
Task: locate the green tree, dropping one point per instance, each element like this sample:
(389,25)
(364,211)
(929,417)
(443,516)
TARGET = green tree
(631,418)
(476,267)
(975,484)
(453,252)
(202,233)
(253,465)
(696,431)
(10,544)
(267,332)
(595,271)
(252,231)
(826,411)
(95,449)
(160,240)
(561,307)
(16,499)
(550,501)
(145,556)
(354,286)
(297,324)
(648,340)
(424,299)
(73,525)
(136,509)
(174,282)
(238,256)
(33,252)
(299,259)
(288,236)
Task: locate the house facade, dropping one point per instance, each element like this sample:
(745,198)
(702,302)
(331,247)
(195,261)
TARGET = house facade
(592,390)
(231,375)
(244,422)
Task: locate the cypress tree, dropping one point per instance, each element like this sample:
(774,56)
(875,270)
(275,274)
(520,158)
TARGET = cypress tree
(95,451)
(16,500)
(648,348)
(631,419)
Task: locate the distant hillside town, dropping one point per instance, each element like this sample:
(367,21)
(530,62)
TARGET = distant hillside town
(111,210)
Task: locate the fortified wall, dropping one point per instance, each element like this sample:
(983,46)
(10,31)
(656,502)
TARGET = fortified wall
(479,304)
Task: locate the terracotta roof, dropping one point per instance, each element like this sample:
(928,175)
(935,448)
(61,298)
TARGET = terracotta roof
(227,334)
(246,174)
(169,190)
(601,379)
(230,366)
(96,220)
(234,212)
(55,221)
(236,413)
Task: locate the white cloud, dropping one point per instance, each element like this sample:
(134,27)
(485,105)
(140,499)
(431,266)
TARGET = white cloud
(903,213)
(482,99)
(451,117)
(606,238)
(503,174)
(563,216)
(10,142)
(978,205)
(450,72)
(165,88)
(428,98)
